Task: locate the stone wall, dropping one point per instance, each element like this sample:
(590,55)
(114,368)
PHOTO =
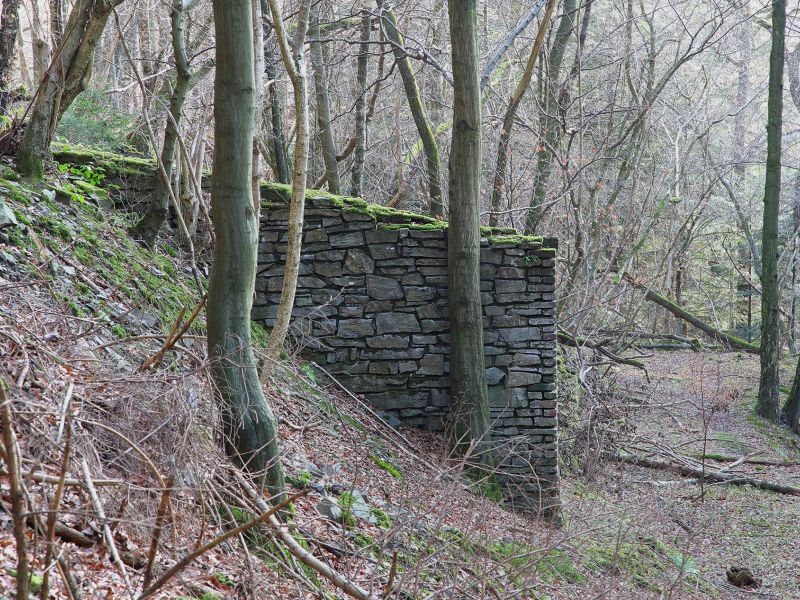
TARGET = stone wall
(372,304)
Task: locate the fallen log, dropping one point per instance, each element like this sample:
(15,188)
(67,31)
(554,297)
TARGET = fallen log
(720,336)
(747,460)
(716,476)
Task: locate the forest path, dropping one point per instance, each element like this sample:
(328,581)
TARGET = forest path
(699,404)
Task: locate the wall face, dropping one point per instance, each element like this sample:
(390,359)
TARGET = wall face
(372,303)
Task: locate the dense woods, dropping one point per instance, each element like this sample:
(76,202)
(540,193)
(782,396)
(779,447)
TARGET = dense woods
(466,202)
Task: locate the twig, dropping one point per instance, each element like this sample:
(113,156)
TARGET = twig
(186,560)
(52,518)
(173,336)
(162,509)
(303,555)
(16,493)
(63,411)
(98,507)
(392,574)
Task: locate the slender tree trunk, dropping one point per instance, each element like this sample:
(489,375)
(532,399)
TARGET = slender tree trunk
(258,117)
(148,226)
(469,403)
(295,63)
(67,76)
(276,136)
(56,22)
(327,141)
(768,405)
(548,121)
(249,426)
(429,146)
(508,120)
(356,188)
(8,39)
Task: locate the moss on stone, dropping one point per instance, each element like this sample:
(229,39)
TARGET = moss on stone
(515,240)
(113,164)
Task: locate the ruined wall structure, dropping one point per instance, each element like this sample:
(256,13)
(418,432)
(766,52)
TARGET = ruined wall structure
(372,305)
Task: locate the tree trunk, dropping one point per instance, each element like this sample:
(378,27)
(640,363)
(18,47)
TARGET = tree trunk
(548,121)
(8,39)
(258,116)
(276,137)
(56,22)
(360,136)
(508,120)
(768,405)
(148,226)
(469,404)
(249,426)
(429,146)
(295,63)
(66,77)
(323,106)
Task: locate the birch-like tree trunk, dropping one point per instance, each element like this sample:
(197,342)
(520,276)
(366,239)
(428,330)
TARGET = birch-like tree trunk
(295,63)
(249,426)
(424,129)
(360,135)
(511,112)
(9,27)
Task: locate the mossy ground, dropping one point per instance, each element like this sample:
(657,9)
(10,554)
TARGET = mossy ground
(88,249)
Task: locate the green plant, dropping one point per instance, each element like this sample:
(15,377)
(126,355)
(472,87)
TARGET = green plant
(387,466)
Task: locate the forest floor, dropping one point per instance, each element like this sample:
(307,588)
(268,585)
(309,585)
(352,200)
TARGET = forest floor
(700,404)
(82,307)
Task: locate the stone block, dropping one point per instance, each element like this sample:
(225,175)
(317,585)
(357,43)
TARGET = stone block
(383,288)
(358,263)
(355,328)
(431,364)
(388,341)
(346,240)
(397,322)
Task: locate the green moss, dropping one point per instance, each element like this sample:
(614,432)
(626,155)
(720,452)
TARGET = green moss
(259,335)
(514,240)
(386,466)
(36,580)
(8,173)
(119,331)
(650,562)
(115,165)
(301,480)
(382,519)
(22,218)
(437,226)
(485,485)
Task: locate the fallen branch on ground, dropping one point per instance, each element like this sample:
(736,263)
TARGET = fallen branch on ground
(720,336)
(717,476)
(303,555)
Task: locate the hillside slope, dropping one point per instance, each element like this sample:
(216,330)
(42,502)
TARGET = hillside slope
(83,308)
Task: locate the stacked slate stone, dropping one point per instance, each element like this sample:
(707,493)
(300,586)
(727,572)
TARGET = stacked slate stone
(372,305)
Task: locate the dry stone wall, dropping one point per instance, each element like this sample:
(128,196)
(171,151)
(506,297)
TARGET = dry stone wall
(372,304)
